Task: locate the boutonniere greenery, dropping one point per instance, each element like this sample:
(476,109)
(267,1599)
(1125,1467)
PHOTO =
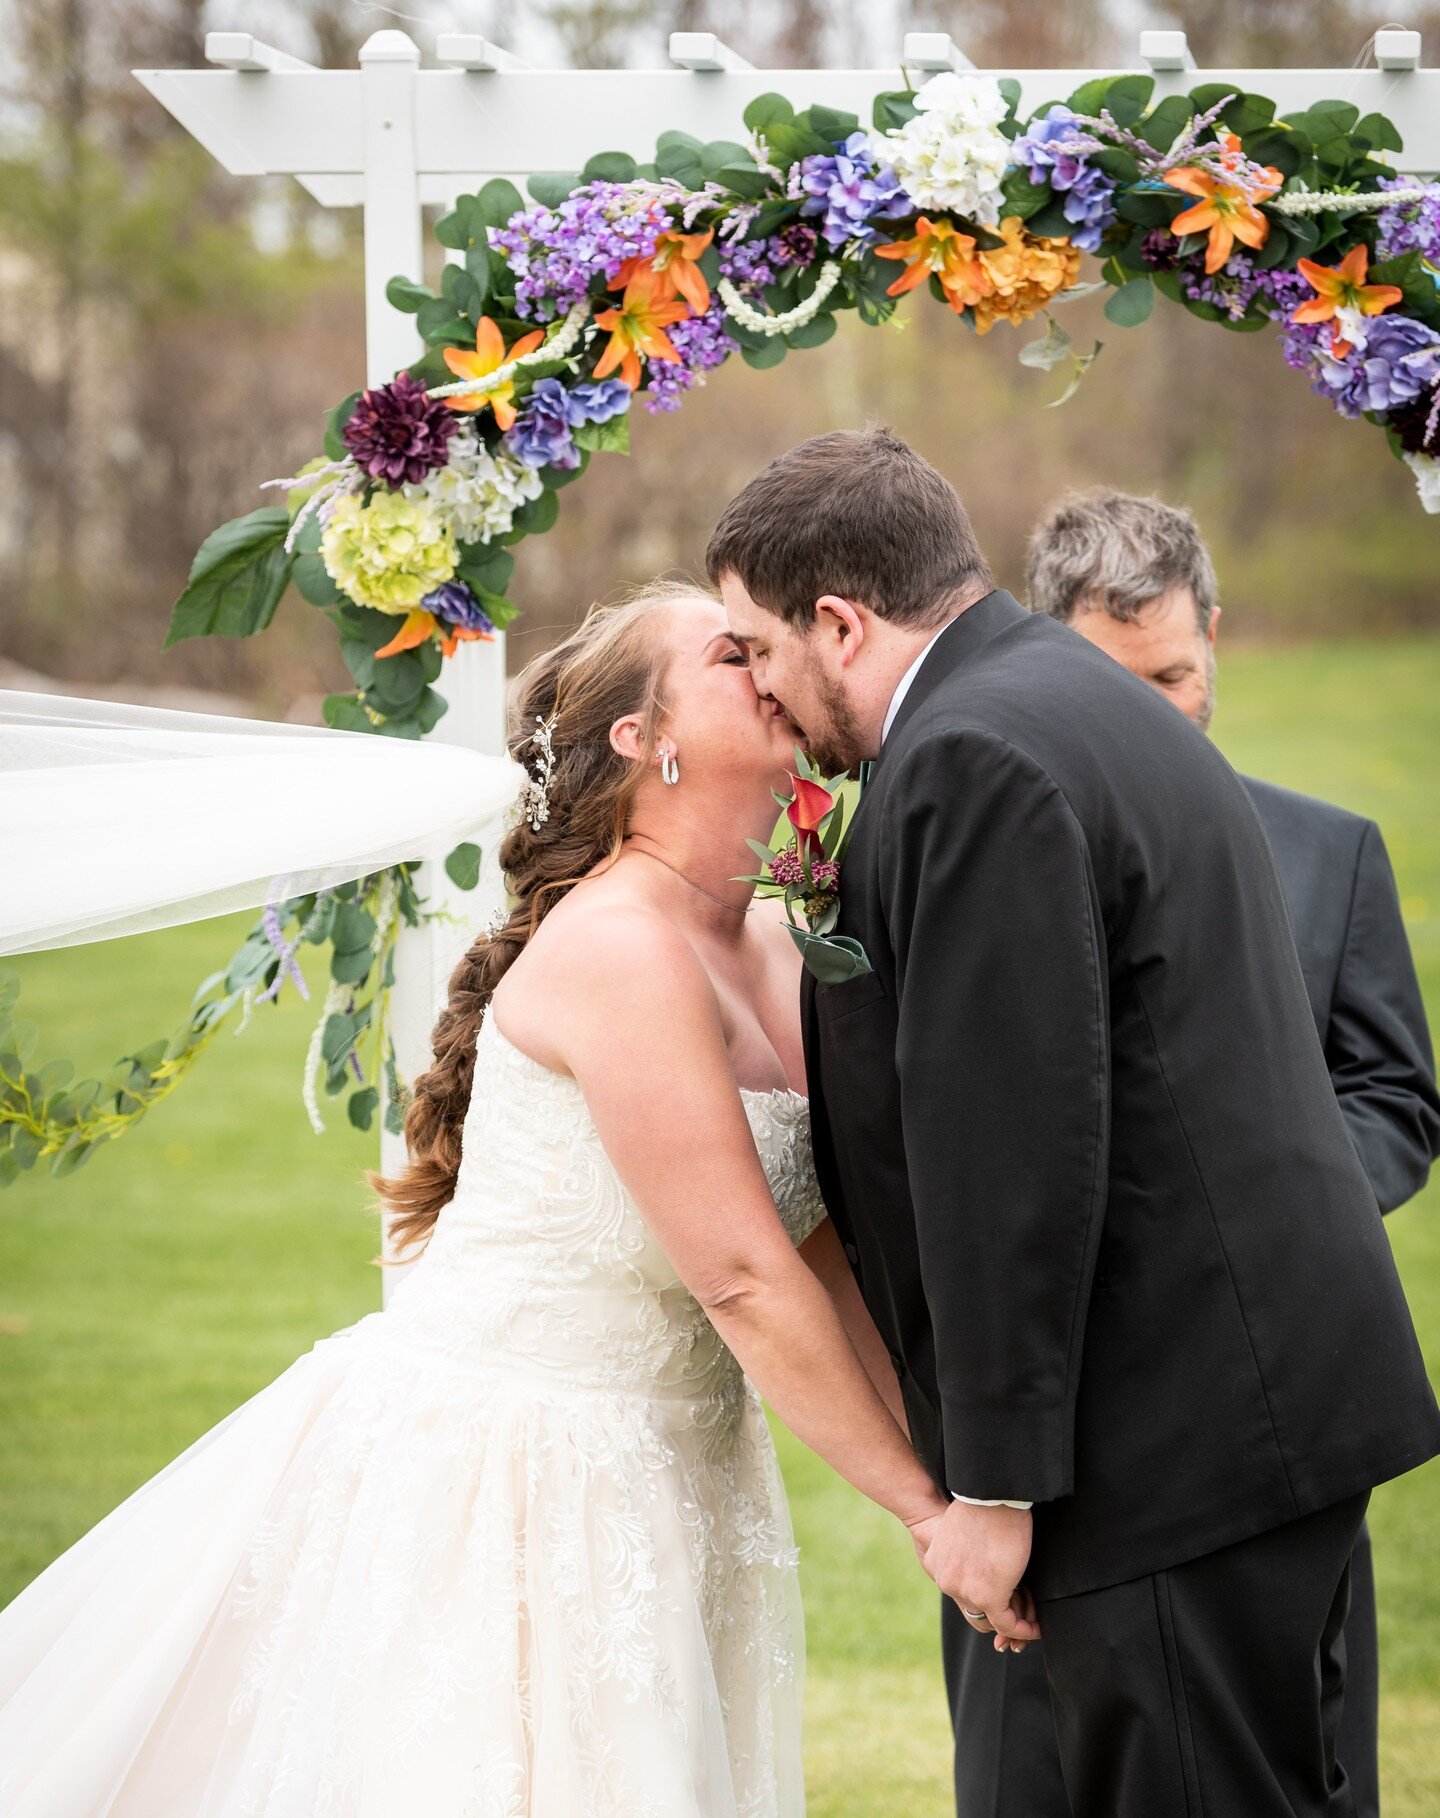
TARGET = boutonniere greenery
(803,868)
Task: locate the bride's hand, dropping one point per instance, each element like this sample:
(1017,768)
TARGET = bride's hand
(923,1528)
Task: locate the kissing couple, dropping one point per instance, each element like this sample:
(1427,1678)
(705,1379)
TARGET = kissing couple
(1102,1310)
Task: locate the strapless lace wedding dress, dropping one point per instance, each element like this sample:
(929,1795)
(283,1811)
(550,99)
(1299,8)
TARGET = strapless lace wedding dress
(514,1547)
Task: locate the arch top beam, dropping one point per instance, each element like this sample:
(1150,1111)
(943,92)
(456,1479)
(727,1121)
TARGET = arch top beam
(521,120)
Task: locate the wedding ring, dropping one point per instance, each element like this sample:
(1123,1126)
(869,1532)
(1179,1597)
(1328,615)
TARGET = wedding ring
(973,1615)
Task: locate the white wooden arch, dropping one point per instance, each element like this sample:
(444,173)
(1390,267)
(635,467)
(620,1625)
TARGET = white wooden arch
(391,137)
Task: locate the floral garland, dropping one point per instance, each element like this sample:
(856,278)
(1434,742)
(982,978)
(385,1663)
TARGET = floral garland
(625,280)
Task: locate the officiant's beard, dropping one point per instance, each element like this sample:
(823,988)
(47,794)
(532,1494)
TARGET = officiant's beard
(1205,712)
(833,735)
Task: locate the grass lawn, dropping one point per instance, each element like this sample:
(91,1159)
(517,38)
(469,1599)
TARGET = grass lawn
(147,1296)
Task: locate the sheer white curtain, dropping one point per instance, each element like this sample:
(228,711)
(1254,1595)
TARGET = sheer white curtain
(115,819)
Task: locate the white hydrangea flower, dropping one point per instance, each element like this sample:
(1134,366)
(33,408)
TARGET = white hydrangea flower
(1426,469)
(952,155)
(479,490)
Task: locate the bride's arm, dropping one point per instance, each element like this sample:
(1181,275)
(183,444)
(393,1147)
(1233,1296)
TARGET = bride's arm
(642,1034)
(822,1253)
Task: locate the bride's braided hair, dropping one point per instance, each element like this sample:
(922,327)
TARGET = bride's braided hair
(612,665)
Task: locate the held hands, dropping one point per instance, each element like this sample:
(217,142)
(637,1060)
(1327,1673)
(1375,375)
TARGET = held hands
(977,1556)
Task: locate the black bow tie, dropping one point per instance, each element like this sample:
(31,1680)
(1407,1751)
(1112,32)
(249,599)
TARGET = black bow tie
(866,766)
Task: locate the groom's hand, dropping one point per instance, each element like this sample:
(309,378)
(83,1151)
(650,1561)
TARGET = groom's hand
(978,1556)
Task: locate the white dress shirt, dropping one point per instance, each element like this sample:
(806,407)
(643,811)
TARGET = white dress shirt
(903,686)
(902,689)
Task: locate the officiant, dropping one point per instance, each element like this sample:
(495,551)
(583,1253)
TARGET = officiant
(1133,576)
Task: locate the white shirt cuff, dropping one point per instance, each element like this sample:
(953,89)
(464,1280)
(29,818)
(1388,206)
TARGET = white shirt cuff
(989,1502)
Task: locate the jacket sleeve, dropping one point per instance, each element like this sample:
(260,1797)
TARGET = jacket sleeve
(1003,1060)
(1377,1043)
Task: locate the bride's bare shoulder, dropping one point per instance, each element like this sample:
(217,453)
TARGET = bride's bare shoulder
(611,944)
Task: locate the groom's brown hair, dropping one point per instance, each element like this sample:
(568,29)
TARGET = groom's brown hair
(855,513)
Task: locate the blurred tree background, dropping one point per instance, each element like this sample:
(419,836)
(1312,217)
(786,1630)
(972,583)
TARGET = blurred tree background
(170,336)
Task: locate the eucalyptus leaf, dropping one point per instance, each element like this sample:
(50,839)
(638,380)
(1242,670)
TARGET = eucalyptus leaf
(767,110)
(462,866)
(362,1105)
(550,188)
(1050,350)
(334,442)
(610,167)
(406,295)
(1129,306)
(770,352)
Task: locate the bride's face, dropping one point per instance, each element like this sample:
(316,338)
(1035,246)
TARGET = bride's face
(720,727)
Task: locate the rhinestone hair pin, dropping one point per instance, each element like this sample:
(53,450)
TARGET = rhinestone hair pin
(535,795)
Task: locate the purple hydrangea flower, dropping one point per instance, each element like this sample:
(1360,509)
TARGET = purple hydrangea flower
(557,254)
(454,604)
(1409,226)
(702,344)
(850,191)
(597,400)
(1393,359)
(543,433)
(1053,150)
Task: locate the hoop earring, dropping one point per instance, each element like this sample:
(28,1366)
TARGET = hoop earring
(669,767)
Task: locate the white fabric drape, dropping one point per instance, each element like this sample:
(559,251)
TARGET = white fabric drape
(116,819)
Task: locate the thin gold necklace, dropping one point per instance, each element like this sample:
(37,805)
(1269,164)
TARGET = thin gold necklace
(734,908)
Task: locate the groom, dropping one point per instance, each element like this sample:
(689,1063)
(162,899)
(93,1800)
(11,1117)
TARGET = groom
(1076,1132)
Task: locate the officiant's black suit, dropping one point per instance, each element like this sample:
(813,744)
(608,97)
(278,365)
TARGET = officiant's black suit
(1370,1017)
(1077,1133)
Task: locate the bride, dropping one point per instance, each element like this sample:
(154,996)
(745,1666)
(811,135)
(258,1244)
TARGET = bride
(516,1546)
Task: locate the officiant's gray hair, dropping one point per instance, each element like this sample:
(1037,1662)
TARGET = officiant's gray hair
(1117,552)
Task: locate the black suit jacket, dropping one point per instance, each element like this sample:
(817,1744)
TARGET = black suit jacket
(1078,1133)
(1360,978)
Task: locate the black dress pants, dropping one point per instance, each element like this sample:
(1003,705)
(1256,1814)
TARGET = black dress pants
(1193,1691)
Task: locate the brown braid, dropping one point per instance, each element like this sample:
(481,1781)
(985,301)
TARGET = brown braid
(612,665)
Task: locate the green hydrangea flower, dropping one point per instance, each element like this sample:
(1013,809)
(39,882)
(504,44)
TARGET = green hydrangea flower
(388,554)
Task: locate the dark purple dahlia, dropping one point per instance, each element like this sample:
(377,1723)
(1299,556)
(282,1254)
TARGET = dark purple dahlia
(397,434)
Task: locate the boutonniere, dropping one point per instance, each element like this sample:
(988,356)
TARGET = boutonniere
(803,868)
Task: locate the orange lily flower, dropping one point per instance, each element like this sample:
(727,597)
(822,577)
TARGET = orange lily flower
(1340,287)
(1227,211)
(454,635)
(675,264)
(940,250)
(489,352)
(638,327)
(810,806)
(418,628)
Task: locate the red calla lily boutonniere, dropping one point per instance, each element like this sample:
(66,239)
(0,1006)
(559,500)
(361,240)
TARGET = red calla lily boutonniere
(804,869)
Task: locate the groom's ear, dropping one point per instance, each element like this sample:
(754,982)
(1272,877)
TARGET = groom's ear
(843,621)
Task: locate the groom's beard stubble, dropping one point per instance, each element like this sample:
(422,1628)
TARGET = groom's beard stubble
(836,745)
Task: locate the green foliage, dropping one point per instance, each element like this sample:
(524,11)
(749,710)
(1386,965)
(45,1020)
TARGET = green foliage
(236,580)
(1131,304)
